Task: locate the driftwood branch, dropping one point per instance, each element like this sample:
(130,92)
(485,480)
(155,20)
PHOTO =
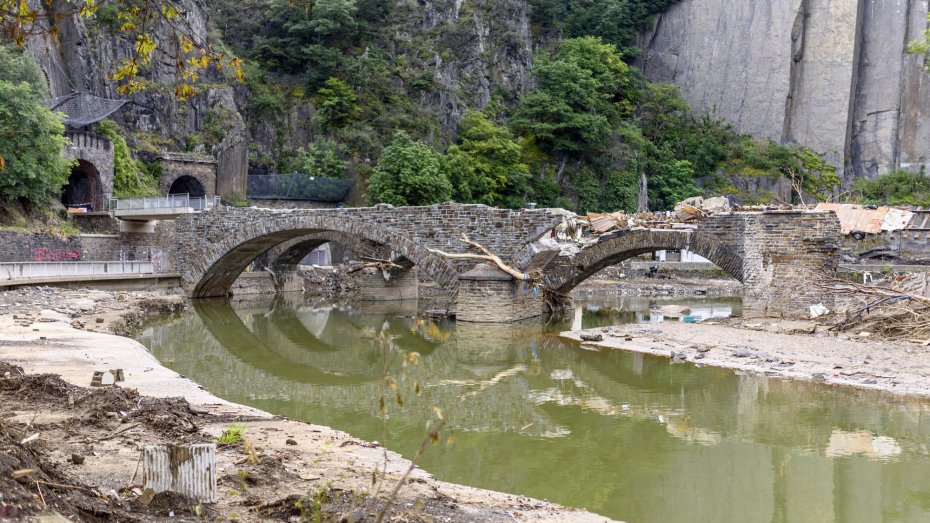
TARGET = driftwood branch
(382,265)
(487,256)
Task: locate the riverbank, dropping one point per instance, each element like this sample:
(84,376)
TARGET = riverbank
(778,348)
(89,439)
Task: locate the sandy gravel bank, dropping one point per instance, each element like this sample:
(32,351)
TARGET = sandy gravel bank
(788,349)
(109,426)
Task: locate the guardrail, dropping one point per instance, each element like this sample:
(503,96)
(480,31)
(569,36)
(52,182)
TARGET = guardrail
(172,201)
(36,270)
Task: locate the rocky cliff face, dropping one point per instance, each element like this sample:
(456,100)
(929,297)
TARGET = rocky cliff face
(829,74)
(88,52)
(468,52)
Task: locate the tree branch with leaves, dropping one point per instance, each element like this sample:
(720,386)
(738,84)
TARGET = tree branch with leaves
(145,23)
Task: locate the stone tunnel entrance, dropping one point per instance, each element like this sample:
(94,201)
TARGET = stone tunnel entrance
(187,185)
(84,188)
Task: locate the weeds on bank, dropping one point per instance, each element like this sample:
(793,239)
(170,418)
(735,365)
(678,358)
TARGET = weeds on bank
(312,507)
(233,434)
(390,388)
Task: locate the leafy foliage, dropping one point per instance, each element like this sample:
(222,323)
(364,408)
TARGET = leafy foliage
(921,46)
(31,141)
(129,179)
(335,104)
(486,166)
(408,173)
(898,187)
(136,20)
(581,93)
(32,168)
(321,158)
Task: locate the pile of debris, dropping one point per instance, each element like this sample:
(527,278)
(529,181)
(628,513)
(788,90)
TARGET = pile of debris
(593,224)
(897,306)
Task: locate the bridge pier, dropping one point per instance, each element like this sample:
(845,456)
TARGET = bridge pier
(393,285)
(489,295)
(784,253)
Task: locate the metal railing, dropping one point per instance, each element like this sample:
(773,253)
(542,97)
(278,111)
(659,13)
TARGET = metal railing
(38,270)
(172,201)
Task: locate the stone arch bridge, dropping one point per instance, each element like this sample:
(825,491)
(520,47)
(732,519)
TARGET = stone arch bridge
(774,254)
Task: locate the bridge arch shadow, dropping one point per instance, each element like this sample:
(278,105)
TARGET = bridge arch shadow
(615,248)
(215,268)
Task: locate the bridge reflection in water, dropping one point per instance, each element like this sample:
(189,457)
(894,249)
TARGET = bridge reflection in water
(624,435)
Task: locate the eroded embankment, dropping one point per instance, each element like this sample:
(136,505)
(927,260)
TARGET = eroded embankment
(89,440)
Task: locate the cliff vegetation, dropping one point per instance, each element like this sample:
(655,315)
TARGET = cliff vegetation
(503,102)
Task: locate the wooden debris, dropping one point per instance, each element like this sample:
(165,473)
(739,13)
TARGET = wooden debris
(489,256)
(22,473)
(894,307)
(381,265)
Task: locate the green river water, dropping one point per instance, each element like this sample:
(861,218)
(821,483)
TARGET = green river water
(628,436)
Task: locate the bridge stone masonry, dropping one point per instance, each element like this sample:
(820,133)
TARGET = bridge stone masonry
(775,254)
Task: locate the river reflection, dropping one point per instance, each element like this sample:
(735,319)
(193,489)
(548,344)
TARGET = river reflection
(625,435)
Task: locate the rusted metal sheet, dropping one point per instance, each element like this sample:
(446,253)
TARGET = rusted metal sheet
(870,221)
(186,469)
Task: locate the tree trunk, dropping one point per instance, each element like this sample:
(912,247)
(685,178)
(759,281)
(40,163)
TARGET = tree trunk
(642,203)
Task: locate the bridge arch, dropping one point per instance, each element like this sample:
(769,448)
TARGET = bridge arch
(623,245)
(212,270)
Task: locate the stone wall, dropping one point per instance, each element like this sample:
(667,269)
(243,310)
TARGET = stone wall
(498,300)
(290,204)
(252,283)
(401,285)
(176,165)
(18,246)
(95,222)
(783,254)
(98,151)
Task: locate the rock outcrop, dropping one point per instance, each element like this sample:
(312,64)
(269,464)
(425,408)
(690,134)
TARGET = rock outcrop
(88,52)
(833,75)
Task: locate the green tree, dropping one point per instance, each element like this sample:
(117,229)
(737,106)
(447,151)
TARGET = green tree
(921,46)
(335,104)
(17,66)
(31,136)
(408,173)
(615,21)
(31,141)
(486,166)
(583,90)
(322,158)
(669,183)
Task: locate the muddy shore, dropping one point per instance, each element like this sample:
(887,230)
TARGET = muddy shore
(779,348)
(82,462)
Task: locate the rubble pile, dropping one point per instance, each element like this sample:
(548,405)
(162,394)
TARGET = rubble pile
(896,307)
(589,227)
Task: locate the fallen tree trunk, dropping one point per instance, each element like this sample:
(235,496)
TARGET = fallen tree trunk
(489,256)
